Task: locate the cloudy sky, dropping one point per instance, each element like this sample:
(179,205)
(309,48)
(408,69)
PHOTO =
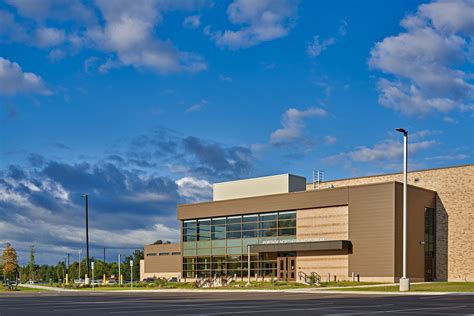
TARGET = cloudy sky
(144,104)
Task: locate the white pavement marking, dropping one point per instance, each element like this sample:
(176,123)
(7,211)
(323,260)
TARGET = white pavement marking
(244,307)
(63,302)
(296,309)
(161,304)
(407,310)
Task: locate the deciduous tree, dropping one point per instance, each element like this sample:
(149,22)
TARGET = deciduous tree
(10,260)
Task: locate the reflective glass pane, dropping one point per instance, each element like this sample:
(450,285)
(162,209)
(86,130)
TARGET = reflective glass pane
(233,235)
(268,225)
(269,217)
(249,234)
(234,220)
(287,231)
(268,233)
(250,218)
(287,223)
(287,215)
(250,226)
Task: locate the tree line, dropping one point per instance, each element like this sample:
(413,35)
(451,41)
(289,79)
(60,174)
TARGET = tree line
(56,273)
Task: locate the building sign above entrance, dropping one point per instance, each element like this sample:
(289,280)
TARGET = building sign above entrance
(289,241)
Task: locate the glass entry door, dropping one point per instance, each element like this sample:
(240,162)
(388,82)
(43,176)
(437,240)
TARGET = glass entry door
(286,268)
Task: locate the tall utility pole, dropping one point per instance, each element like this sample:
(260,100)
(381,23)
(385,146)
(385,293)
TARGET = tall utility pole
(80,251)
(68,260)
(87,233)
(404,281)
(104,254)
(119,275)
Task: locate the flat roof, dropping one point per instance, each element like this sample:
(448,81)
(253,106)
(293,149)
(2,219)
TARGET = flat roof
(338,196)
(394,173)
(262,177)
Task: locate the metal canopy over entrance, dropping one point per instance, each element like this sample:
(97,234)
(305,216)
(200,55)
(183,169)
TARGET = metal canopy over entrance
(302,246)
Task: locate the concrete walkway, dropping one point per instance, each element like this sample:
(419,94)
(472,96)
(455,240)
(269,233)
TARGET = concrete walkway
(47,288)
(332,290)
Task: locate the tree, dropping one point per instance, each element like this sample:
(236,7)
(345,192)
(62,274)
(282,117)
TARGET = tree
(136,256)
(32,264)
(158,242)
(10,260)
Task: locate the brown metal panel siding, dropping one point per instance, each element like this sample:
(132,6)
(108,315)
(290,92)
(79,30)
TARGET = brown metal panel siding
(159,264)
(418,199)
(268,203)
(371,230)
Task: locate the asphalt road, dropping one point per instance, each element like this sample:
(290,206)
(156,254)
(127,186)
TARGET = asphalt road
(230,304)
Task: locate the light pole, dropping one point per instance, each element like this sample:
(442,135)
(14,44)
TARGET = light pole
(404,281)
(80,251)
(119,263)
(131,274)
(92,264)
(87,231)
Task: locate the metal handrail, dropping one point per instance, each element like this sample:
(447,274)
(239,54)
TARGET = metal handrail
(313,275)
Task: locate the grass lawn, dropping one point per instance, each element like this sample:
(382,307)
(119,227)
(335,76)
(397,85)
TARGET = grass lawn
(425,287)
(19,289)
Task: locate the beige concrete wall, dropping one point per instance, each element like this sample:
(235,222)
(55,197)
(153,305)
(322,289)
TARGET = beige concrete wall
(164,264)
(327,222)
(165,275)
(455,215)
(330,223)
(282,183)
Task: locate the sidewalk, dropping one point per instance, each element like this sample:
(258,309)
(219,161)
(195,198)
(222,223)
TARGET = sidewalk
(328,290)
(47,288)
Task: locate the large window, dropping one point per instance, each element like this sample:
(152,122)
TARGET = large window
(218,246)
(189,230)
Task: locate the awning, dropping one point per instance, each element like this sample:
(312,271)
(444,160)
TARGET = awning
(302,246)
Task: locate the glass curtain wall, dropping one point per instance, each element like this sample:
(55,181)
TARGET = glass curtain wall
(218,246)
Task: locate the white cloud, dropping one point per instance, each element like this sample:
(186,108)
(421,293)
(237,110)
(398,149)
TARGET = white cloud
(343,28)
(197,106)
(192,22)
(225,78)
(53,9)
(194,189)
(293,125)
(316,47)
(261,20)
(385,151)
(49,36)
(426,61)
(329,140)
(14,80)
(128,32)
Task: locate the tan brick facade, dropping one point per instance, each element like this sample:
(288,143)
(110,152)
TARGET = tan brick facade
(329,223)
(455,215)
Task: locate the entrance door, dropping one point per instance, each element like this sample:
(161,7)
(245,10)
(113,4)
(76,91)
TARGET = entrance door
(286,268)
(429,268)
(291,269)
(430,244)
(282,269)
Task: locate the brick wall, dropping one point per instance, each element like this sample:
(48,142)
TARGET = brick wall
(455,215)
(330,223)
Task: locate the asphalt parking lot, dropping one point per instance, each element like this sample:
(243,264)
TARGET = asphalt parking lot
(230,303)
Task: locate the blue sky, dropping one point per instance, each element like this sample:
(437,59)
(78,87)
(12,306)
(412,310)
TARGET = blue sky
(145,104)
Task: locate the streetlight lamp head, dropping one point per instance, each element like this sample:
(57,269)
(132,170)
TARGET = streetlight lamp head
(402,130)
(83,195)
